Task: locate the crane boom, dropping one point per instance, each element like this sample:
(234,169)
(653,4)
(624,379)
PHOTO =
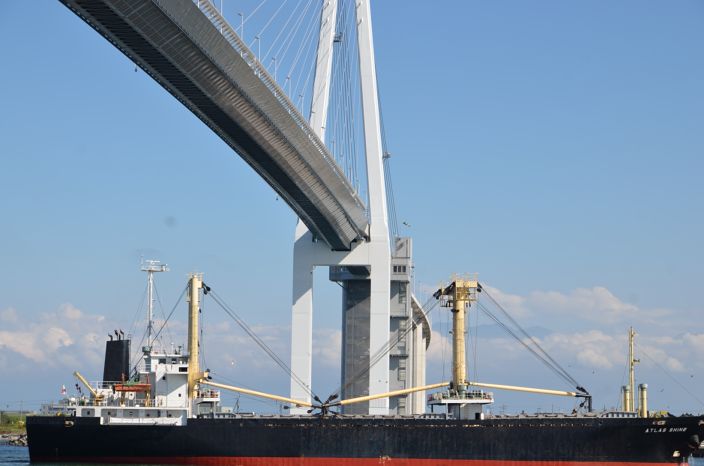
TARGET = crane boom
(515,388)
(247,391)
(405,391)
(83,380)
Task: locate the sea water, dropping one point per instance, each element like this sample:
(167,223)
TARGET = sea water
(13,455)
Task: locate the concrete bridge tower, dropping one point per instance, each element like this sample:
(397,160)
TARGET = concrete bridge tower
(365,269)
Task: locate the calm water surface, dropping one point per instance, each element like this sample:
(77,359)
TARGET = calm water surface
(13,455)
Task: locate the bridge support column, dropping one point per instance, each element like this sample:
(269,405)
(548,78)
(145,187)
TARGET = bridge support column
(375,252)
(302,319)
(379,315)
(308,254)
(379,247)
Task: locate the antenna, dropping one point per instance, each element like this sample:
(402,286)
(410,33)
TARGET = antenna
(150,266)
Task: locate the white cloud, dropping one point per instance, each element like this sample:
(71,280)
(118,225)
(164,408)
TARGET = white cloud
(596,304)
(695,341)
(440,348)
(592,357)
(515,304)
(327,347)
(8,315)
(64,338)
(225,346)
(55,338)
(664,355)
(22,343)
(590,349)
(580,308)
(70,312)
(232,349)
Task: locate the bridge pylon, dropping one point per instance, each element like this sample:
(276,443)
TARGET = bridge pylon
(374,251)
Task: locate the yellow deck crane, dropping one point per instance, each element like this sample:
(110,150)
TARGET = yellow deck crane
(458,295)
(96,396)
(462,402)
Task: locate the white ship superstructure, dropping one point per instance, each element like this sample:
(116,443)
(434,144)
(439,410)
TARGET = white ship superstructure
(161,390)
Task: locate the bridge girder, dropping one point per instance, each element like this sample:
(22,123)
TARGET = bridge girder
(181,49)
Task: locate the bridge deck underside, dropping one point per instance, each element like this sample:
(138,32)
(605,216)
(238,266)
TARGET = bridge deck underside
(175,43)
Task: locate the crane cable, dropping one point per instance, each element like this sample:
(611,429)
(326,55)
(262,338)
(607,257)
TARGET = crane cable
(674,379)
(388,346)
(173,309)
(539,352)
(386,155)
(258,340)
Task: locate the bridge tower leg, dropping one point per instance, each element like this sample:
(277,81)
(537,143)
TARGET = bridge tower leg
(302,302)
(373,253)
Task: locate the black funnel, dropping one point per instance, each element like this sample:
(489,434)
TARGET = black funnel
(117,361)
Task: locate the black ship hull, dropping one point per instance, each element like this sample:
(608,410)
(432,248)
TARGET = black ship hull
(270,441)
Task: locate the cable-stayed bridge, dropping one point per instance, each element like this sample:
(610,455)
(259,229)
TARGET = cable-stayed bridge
(189,48)
(194,54)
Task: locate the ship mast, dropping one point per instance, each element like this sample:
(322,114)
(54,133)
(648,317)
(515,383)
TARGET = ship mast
(629,390)
(458,400)
(463,291)
(151,266)
(195,284)
(461,402)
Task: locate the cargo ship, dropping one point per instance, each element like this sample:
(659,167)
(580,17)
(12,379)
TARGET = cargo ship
(168,411)
(164,409)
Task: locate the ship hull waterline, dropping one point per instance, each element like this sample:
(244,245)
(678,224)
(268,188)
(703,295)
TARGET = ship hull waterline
(262,440)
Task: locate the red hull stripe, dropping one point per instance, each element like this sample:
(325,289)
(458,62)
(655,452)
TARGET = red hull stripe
(287,461)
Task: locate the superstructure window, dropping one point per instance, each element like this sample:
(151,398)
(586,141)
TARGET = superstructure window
(402,294)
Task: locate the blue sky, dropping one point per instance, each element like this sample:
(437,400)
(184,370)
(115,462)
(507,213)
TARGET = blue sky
(556,148)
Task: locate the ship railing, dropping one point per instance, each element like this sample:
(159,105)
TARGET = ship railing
(123,403)
(620,414)
(62,408)
(101,384)
(68,405)
(479,395)
(105,384)
(208,394)
(468,395)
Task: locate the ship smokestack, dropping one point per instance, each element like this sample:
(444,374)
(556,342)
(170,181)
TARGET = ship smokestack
(117,360)
(643,400)
(626,400)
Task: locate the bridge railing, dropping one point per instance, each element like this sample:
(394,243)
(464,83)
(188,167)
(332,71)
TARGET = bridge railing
(221,24)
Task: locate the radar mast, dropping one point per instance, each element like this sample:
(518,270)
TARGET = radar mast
(150,266)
